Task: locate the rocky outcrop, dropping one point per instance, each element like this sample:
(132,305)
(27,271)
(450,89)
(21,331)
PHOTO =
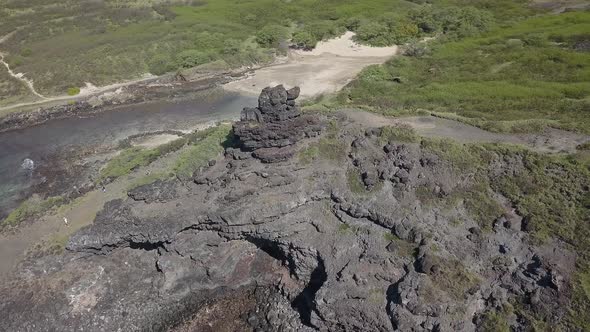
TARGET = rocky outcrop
(290,247)
(271,130)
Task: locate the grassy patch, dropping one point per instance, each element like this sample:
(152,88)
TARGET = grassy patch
(331,149)
(344,228)
(481,205)
(135,157)
(31,208)
(203,150)
(516,78)
(127,161)
(457,154)
(355,184)
(497,321)
(453,277)
(388,236)
(309,154)
(400,133)
(402,248)
(328,147)
(65,43)
(73,91)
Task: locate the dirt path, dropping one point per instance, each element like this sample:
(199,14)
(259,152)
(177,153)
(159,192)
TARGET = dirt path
(86,91)
(326,69)
(21,77)
(550,141)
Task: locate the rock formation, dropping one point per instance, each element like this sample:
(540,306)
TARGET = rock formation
(250,246)
(271,130)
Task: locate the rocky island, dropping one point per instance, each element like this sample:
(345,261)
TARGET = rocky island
(309,222)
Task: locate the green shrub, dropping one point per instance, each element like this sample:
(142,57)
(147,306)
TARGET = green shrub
(353,23)
(416,49)
(73,91)
(26,52)
(271,35)
(488,84)
(231,47)
(304,40)
(459,155)
(192,58)
(374,33)
(404,31)
(321,30)
(463,21)
(160,64)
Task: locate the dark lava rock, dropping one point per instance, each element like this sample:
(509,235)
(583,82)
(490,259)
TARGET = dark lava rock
(275,124)
(160,191)
(274,155)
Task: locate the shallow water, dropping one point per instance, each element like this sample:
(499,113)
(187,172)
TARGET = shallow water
(41,142)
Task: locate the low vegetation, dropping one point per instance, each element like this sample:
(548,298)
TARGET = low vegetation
(355,183)
(514,78)
(127,161)
(497,321)
(458,155)
(60,44)
(31,208)
(197,148)
(12,90)
(202,151)
(73,91)
(329,147)
(309,154)
(551,193)
(399,133)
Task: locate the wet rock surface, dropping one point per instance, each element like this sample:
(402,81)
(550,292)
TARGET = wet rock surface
(253,246)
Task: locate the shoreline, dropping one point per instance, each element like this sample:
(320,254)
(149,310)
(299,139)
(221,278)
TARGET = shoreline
(134,94)
(326,69)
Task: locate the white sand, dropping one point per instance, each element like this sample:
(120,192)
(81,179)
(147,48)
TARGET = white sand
(346,46)
(326,69)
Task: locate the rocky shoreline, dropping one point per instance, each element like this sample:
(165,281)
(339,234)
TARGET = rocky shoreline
(337,234)
(165,87)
